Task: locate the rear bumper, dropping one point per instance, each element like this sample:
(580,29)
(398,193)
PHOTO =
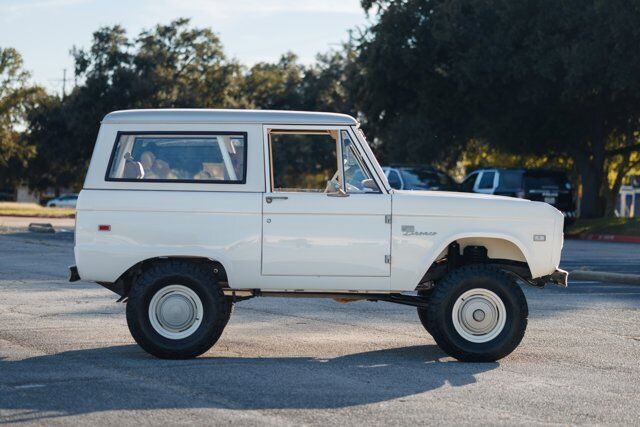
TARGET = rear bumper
(74,276)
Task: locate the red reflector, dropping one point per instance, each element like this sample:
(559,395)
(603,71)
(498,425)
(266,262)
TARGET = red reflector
(104,228)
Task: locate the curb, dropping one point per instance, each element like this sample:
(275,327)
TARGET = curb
(617,238)
(70,216)
(602,276)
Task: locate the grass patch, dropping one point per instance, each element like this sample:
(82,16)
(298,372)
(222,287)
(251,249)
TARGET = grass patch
(32,209)
(620,226)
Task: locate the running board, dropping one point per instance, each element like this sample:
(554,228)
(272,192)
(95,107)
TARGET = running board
(396,298)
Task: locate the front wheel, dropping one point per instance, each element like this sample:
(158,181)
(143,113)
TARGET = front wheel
(176,310)
(477,313)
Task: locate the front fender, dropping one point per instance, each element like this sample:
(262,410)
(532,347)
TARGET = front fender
(413,255)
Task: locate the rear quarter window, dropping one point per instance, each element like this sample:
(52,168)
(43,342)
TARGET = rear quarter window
(214,157)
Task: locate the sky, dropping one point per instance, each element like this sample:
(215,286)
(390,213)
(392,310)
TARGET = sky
(44,31)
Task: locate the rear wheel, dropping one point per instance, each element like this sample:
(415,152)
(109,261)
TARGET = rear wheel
(477,313)
(176,310)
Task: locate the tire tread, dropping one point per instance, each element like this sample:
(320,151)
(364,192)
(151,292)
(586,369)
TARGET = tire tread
(196,272)
(440,296)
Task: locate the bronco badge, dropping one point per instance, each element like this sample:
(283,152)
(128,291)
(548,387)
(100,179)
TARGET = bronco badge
(410,230)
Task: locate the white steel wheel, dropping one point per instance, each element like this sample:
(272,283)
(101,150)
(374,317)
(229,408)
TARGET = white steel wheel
(479,315)
(175,312)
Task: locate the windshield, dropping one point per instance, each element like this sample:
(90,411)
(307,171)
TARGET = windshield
(426,179)
(369,153)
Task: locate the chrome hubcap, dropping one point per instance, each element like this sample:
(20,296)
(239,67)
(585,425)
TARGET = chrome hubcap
(175,312)
(479,315)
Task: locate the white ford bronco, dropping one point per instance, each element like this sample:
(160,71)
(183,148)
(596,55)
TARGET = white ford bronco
(186,212)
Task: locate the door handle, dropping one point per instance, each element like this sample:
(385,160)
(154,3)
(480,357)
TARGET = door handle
(270,199)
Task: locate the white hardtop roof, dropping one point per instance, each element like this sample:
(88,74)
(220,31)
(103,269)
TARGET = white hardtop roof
(193,115)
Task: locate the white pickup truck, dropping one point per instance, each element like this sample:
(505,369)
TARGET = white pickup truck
(186,212)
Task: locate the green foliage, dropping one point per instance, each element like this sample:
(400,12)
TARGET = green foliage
(528,76)
(328,84)
(275,86)
(17,97)
(171,66)
(447,82)
(289,85)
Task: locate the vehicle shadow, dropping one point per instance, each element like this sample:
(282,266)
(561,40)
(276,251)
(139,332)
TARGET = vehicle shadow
(126,378)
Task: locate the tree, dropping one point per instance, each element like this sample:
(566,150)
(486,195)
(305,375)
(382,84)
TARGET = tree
(170,66)
(276,86)
(528,76)
(289,85)
(328,83)
(179,66)
(17,97)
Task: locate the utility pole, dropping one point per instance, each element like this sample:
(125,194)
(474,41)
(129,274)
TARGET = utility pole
(64,83)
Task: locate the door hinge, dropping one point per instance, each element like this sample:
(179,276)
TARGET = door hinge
(387,219)
(387,259)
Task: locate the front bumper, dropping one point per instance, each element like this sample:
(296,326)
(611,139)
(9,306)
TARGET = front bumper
(559,277)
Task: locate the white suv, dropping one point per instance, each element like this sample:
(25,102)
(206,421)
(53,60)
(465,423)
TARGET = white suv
(185,212)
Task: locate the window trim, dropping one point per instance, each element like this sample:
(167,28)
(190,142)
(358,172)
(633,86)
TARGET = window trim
(361,161)
(370,160)
(120,134)
(303,131)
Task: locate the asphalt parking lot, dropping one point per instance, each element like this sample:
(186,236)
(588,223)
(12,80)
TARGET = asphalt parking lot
(66,356)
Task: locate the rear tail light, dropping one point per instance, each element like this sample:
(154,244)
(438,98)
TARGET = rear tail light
(104,227)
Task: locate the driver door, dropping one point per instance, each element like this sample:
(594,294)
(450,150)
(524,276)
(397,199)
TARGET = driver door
(324,214)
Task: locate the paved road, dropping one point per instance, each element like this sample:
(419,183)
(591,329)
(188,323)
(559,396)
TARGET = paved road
(66,357)
(601,256)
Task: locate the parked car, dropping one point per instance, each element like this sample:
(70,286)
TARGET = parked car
(542,185)
(7,195)
(418,178)
(186,212)
(64,201)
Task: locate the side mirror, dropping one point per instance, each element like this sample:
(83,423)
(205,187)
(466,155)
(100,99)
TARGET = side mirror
(335,189)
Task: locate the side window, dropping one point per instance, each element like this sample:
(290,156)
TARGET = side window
(486,182)
(356,176)
(394,179)
(305,161)
(208,157)
(467,184)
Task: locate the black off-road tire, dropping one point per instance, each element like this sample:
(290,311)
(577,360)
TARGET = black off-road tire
(197,277)
(439,320)
(422,312)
